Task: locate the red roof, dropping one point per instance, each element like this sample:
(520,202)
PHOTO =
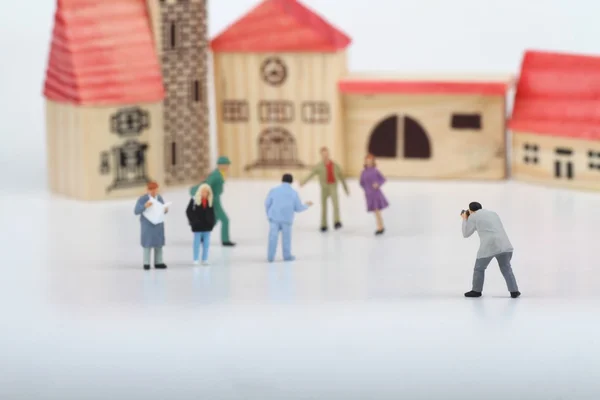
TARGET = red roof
(280,25)
(558,95)
(363,85)
(102,53)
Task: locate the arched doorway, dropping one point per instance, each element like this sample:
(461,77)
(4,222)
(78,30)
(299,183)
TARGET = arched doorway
(383,141)
(384,138)
(276,149)
(416,141)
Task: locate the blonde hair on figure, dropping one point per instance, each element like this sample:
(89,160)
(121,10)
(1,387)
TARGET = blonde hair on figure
(198,195)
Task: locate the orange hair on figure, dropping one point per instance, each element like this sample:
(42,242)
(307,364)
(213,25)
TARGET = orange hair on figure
(369,157)
(152,185)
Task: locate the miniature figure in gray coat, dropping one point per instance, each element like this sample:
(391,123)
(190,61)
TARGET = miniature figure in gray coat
(153,236)
(494,243)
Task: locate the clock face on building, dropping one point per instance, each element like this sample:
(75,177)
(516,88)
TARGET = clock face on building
(273,71)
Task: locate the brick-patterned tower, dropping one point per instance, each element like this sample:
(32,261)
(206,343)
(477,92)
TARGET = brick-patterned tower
(181,36)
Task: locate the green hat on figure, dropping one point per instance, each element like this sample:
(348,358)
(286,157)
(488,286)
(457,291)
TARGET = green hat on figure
(223,161)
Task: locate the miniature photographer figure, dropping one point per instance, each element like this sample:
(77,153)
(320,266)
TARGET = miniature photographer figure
(494,243)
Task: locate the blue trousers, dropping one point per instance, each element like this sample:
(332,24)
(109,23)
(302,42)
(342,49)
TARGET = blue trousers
(286,236)
(203,237)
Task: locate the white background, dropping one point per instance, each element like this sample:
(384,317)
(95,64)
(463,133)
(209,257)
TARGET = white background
(392,35)
(356,317)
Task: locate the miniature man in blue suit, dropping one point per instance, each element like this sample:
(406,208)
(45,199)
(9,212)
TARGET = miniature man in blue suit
(281,205)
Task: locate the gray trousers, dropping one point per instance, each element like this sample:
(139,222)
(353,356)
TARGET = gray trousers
(158,256)
(503,262)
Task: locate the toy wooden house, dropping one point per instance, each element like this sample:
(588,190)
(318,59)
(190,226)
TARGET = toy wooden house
(426,127)
(108,131)
(283,92)
(276,71)
(556,121)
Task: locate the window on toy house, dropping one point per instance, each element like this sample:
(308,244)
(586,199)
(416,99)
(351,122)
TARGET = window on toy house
(466,121)
(315,112)
(173,153)
(531,153)
(276,111)
(594,159)
(196,90)
(235,111)
(172,37)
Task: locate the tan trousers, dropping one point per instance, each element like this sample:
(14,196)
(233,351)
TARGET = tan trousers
(329,190)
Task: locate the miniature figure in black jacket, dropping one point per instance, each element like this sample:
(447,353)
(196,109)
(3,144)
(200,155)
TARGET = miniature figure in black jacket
(201,217)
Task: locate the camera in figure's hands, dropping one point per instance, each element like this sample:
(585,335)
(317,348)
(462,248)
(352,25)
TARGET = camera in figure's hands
(465,212)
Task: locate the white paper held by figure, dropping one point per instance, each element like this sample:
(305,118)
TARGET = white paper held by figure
(156,212)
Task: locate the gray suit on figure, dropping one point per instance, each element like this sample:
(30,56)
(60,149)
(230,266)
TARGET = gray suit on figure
(494,243)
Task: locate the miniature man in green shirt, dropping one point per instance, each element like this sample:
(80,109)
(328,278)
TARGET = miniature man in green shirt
(330,174)
(216,181)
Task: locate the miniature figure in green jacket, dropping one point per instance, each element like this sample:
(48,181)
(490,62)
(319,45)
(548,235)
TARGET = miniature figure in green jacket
(216,181)
(330,174)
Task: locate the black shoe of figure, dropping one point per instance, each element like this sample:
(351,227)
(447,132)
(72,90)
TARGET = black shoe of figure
(514,295)
(160,266)
(337,225)
(228,244)
(323,229)
(473,293)
(146,266)
(380,232)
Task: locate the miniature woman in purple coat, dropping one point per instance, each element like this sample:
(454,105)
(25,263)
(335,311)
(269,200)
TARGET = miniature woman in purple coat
(371,181)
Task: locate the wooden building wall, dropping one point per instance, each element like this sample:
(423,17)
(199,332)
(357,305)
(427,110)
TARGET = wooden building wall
(466,153)
(556,161)
(309,80)
(97,153)
(64,149)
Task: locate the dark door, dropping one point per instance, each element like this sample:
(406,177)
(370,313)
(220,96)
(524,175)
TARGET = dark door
(384,138)
(416,142)
(563,166)
(383,142)
(563,169)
